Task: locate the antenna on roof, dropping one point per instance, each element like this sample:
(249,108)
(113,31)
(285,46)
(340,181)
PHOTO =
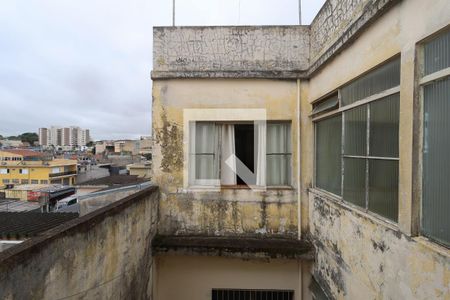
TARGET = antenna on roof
(299,12)
(173,13)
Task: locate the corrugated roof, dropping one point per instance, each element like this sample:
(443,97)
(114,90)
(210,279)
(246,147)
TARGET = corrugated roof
(23,152)
(18,225)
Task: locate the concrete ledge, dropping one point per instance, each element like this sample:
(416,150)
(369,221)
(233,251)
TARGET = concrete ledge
(16,255)
(371,12)
(229,74)
(240,247)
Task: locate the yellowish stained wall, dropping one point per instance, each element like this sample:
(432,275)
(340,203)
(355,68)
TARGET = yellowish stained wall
(229,211)
(187,277)
(359,256)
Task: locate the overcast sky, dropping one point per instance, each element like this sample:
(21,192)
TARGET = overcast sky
(88,62)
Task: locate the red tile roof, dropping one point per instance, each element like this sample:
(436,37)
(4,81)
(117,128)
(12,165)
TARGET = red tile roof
(23,152)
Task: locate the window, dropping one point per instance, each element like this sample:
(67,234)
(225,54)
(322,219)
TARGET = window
(55,170)
(33,181)
(435,221)
(23,171)
(237,294)
(328,154)
(44,181)
(16,181)
(263,153)
(24,181)
(4,171)
(278,154)
(357,143)
(5,181)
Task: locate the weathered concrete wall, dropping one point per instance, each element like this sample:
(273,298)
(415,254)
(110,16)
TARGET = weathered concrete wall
(338,23)
(360,258)
(94,201)
(103,255)
(206,273)
(359,255)
(234,51)
(229,211)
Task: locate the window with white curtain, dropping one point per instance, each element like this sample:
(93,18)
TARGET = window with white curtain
(356,143)
(278,153)
(435,85)
(217,149)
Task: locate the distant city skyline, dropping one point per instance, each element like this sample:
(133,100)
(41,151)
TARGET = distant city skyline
(65,63)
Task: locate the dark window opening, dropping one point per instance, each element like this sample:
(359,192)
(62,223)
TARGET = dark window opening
(231,294)
(244,145)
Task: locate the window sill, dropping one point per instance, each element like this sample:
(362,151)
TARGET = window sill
(355,209)
(431,245)
(200,188)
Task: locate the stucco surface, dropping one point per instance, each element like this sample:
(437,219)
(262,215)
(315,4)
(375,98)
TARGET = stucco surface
(206,273)
(229,211)
(231,48)
(360,258)
(103,255)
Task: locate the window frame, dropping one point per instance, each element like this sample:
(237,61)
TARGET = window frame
(421,81)
(341,109)
(289,176)
(202,183)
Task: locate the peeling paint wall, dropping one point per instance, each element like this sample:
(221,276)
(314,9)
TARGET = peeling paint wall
(360,256)
(229,211)
(103,255)
(188,51)
(338,22)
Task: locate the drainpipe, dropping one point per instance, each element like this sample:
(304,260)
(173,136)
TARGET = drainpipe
(299,173)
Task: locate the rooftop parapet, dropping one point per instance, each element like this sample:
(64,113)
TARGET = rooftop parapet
(230,51)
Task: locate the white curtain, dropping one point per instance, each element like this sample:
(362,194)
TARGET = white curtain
(260,144)
(278,154)
(203,148)
(228,151)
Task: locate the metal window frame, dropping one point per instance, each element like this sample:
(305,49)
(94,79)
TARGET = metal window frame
(288,137)
(341,110)
(422,81)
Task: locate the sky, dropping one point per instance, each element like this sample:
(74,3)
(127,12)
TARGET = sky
(87,63)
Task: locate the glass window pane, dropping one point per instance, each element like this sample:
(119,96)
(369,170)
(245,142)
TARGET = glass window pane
(437,53)
(326,104)
(279,169)
(355,181)
(328,154)
(278,138)
(436,164)
(204,166)
(383,188)
(204,137)
(382,78)
(278,160)
(355,131)
(384,116)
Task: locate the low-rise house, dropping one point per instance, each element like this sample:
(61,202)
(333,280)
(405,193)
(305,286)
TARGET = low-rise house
(29,167)
(142,169)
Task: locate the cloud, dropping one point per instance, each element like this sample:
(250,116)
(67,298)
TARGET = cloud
(87,63)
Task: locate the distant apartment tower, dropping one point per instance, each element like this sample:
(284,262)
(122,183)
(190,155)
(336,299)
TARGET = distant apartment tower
(72,136)
(44,137)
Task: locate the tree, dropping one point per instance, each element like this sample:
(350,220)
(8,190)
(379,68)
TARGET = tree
(29,137)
